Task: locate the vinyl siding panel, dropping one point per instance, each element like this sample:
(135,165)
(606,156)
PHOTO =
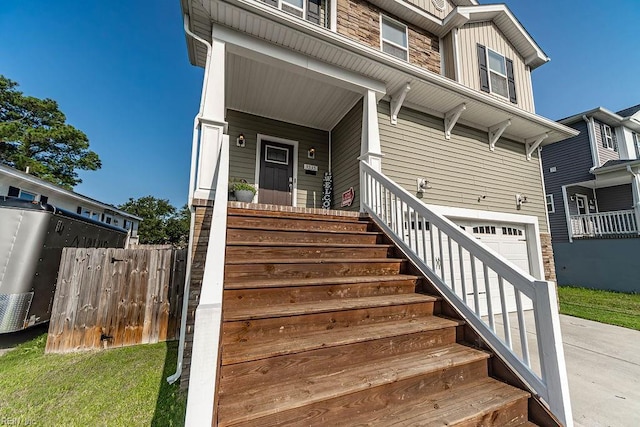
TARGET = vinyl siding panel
(605,154)
(616,198)
(572,160)
(448,57)
(487,34)
(428,6)
(243,160)
(462,169)
(345,150)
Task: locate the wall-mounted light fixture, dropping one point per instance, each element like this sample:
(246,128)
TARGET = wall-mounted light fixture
(422,184)
(482,197)
(311,153)
(520,200)
(240,141)
(572,197)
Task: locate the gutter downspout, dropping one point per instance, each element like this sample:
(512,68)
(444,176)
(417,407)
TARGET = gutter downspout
(635,188)
(192,184)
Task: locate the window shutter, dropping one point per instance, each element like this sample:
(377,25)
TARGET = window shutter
(512,81)
(603,136)
(13,192)
(44,200)
(484,73)
(313,11)
(79,210)
(615,139)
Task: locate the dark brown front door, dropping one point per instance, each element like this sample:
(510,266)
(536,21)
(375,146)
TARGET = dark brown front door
(276,173)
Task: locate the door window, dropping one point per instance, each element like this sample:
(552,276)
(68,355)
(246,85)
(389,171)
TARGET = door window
(276,155)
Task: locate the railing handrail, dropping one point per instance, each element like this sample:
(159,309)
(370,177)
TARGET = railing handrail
(501,265)
(608,213)
(552,386)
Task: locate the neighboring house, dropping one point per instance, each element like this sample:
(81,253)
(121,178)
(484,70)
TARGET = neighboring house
(435,94)
(15,183)
(593,200)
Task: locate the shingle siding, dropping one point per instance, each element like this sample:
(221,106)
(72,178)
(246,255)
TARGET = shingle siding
(572,160)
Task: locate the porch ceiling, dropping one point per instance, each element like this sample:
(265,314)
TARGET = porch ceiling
(273,91)
(430,92)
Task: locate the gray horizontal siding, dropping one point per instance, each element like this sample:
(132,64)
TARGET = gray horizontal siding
(573,204)
(345,150)
(572,160)
(462,169)
(616,198)
(243,160)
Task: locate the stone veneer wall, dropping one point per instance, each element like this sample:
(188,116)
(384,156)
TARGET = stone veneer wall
(360,21)
(547,257)
(202,228)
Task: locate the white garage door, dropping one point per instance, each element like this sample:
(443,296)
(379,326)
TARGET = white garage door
(510,241)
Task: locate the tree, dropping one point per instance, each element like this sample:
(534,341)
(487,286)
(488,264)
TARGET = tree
(34,134)
(161,222)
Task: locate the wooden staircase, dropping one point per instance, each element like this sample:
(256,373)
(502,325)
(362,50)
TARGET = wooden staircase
(322,326)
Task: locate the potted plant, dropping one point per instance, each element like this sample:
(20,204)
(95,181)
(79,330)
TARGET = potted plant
(243,191)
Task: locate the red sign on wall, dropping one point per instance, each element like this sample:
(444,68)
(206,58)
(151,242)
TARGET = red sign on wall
(347,197)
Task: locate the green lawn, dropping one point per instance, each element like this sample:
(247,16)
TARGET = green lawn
(614,308)
(118,387)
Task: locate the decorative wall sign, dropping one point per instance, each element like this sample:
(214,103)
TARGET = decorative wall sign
(310,169)
(347,197)
(327,190)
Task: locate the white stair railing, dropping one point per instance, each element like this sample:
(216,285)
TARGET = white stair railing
(604,224)
(481,284)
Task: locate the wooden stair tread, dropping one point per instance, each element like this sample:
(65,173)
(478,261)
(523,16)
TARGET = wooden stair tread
(295,309)
(300,230)
(325,384)
(466,405)
(245,351)
(313,260)
(310,244)
(318,281)
(296,215)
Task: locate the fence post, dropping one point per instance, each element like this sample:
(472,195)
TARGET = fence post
(552,361)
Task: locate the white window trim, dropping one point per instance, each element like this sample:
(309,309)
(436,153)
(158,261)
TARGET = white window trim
(406,35)
(303,9)
(607,138)
(294,190)
(489,71)
(549,201)
(36,196)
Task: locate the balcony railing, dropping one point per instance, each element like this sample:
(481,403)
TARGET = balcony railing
(603,224)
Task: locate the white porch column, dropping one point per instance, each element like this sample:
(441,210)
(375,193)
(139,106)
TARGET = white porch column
(635,190)
(370,150)
(210,122)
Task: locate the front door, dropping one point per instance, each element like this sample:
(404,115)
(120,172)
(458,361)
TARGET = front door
(581,204)
(276,173)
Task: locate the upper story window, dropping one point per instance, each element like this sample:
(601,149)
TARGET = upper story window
(609,138)
(496,73)
(636,144)
(312,10)
(395,38)
(26,195)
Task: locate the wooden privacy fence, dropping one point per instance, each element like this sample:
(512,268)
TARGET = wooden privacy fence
(107,297)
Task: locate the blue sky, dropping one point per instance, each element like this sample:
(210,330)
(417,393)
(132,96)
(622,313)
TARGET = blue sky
(119,71)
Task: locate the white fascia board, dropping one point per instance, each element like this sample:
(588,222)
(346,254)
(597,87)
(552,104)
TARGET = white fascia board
(47,186)
(599,113)
(344,44)
(608,169)
(534,56)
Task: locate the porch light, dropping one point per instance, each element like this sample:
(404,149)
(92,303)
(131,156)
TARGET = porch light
(240,141)
(520,200)
(311,153)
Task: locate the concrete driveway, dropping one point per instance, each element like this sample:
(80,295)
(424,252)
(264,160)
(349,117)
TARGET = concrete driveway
(603,364)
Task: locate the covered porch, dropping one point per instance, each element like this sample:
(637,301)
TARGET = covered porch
(607,206)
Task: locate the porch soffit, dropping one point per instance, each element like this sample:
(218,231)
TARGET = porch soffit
(430,92)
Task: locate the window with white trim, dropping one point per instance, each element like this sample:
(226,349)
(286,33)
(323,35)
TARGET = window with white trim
(496,73)
(636,144)
(26,195)
(551,208)
(394,38)
(607,137)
